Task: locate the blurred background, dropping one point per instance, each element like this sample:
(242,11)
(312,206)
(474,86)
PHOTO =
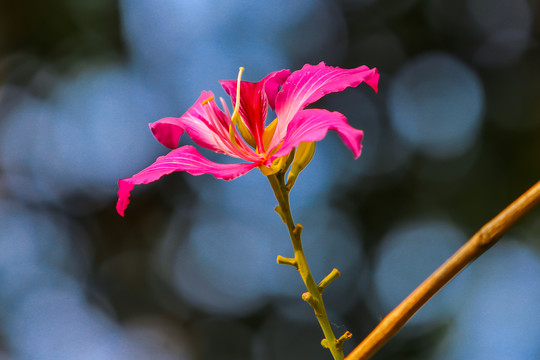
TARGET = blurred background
(451,138)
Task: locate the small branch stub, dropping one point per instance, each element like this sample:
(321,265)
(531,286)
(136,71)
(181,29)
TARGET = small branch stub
(342,339)
(324,343)
(298,230)
(314,303)
(287,261)
(280,213)
(334,274)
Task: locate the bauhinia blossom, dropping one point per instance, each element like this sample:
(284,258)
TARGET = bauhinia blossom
(244,134)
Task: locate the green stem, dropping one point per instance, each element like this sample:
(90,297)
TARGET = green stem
(314,294)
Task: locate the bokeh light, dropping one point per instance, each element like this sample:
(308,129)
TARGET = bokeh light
(499,317)
(436,103)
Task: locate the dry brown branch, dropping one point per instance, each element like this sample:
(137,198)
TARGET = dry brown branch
(486,237)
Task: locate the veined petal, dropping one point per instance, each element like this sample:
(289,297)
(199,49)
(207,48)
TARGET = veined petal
(206,124)
(213,132)
(253,105)
(311,83)
(312,125)
(199,128)
(185,158)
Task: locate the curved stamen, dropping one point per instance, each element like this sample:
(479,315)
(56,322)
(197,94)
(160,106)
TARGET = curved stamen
(236,119)
(225,108)
(236,115)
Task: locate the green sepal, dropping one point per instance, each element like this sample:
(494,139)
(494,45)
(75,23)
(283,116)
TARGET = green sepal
(304,154)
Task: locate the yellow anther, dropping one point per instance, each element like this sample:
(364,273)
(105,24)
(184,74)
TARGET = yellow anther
(206,101)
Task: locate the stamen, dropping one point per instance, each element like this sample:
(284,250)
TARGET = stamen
(236,114)
(225,108)
(206,101)
(236,118)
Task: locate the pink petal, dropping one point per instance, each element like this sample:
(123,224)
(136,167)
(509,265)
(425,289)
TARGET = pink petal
(206,125)
(311,83)
(208,128)
(168,131)
(312,125)
(195,123)
(272,82)
(185,158)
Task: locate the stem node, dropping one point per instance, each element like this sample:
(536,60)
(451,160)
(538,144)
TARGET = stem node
(287,261)
(342,339)
(310,299)
(297,232)
(324,343)
(313,295)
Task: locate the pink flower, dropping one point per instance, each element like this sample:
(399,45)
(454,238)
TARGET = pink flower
(244,135)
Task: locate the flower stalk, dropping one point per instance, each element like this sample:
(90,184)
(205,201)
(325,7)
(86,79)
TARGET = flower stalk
(286,143)
(313,296)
